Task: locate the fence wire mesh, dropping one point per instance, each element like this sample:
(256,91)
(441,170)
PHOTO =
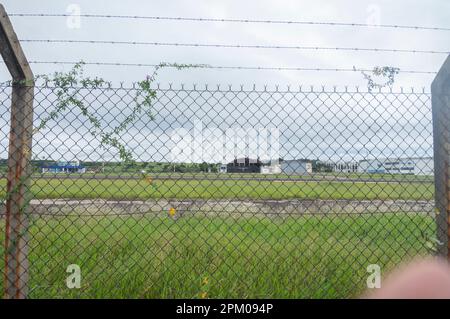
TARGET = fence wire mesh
(229,192)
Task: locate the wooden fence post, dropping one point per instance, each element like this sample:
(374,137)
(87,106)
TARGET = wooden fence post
(19,156)
(440,95)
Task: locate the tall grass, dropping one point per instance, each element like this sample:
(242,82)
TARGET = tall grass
(224,189)
(219,257)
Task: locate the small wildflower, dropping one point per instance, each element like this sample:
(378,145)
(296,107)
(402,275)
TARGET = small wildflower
(205,281)
(172,211)
(26,152)
(203,295)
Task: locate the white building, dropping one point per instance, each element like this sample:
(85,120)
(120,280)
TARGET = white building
(271,168)
(347,167)
(296,167)
(411,165)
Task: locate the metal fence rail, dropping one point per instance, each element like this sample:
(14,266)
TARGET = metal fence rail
(224,191)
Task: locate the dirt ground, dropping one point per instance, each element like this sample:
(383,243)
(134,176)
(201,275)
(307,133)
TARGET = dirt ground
(55,207)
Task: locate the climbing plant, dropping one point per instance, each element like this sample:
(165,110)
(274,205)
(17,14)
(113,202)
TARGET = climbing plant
(67,86)
(387,72)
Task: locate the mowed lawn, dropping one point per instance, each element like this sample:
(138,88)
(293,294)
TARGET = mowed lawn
(224,189)
(219,257)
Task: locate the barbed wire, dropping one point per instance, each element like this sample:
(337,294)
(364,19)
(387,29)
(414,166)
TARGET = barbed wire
(221,67)
(231,20)
(236,46)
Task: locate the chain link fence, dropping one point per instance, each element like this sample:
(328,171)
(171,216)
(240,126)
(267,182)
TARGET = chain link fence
(222,192)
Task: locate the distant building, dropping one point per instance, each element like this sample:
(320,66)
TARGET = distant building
(411,165)
(324,167)
(296,167)
(64,167)
(347,167)
(222,168)
(244,165)
(271,168)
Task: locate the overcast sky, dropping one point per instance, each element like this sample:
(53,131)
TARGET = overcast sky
(434,13)
(398,12)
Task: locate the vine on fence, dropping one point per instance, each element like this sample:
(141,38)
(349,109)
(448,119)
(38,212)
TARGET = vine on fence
(385,72)
(68,85)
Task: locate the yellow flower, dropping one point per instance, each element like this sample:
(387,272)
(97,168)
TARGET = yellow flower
(203,295)
(172,211)
(205,281)
(26,151)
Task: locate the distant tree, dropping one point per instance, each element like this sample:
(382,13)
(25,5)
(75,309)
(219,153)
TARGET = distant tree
(204,167)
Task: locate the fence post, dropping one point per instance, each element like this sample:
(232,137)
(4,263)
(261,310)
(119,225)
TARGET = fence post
(440,95)
(19,155)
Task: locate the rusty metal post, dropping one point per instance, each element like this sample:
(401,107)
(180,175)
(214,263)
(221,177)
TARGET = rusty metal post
(440,95)
(19,156)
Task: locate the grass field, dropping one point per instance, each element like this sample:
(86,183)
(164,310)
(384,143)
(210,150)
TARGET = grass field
(82,188)
(150,257)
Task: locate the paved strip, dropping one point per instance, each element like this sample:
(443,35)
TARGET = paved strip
(100,207)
